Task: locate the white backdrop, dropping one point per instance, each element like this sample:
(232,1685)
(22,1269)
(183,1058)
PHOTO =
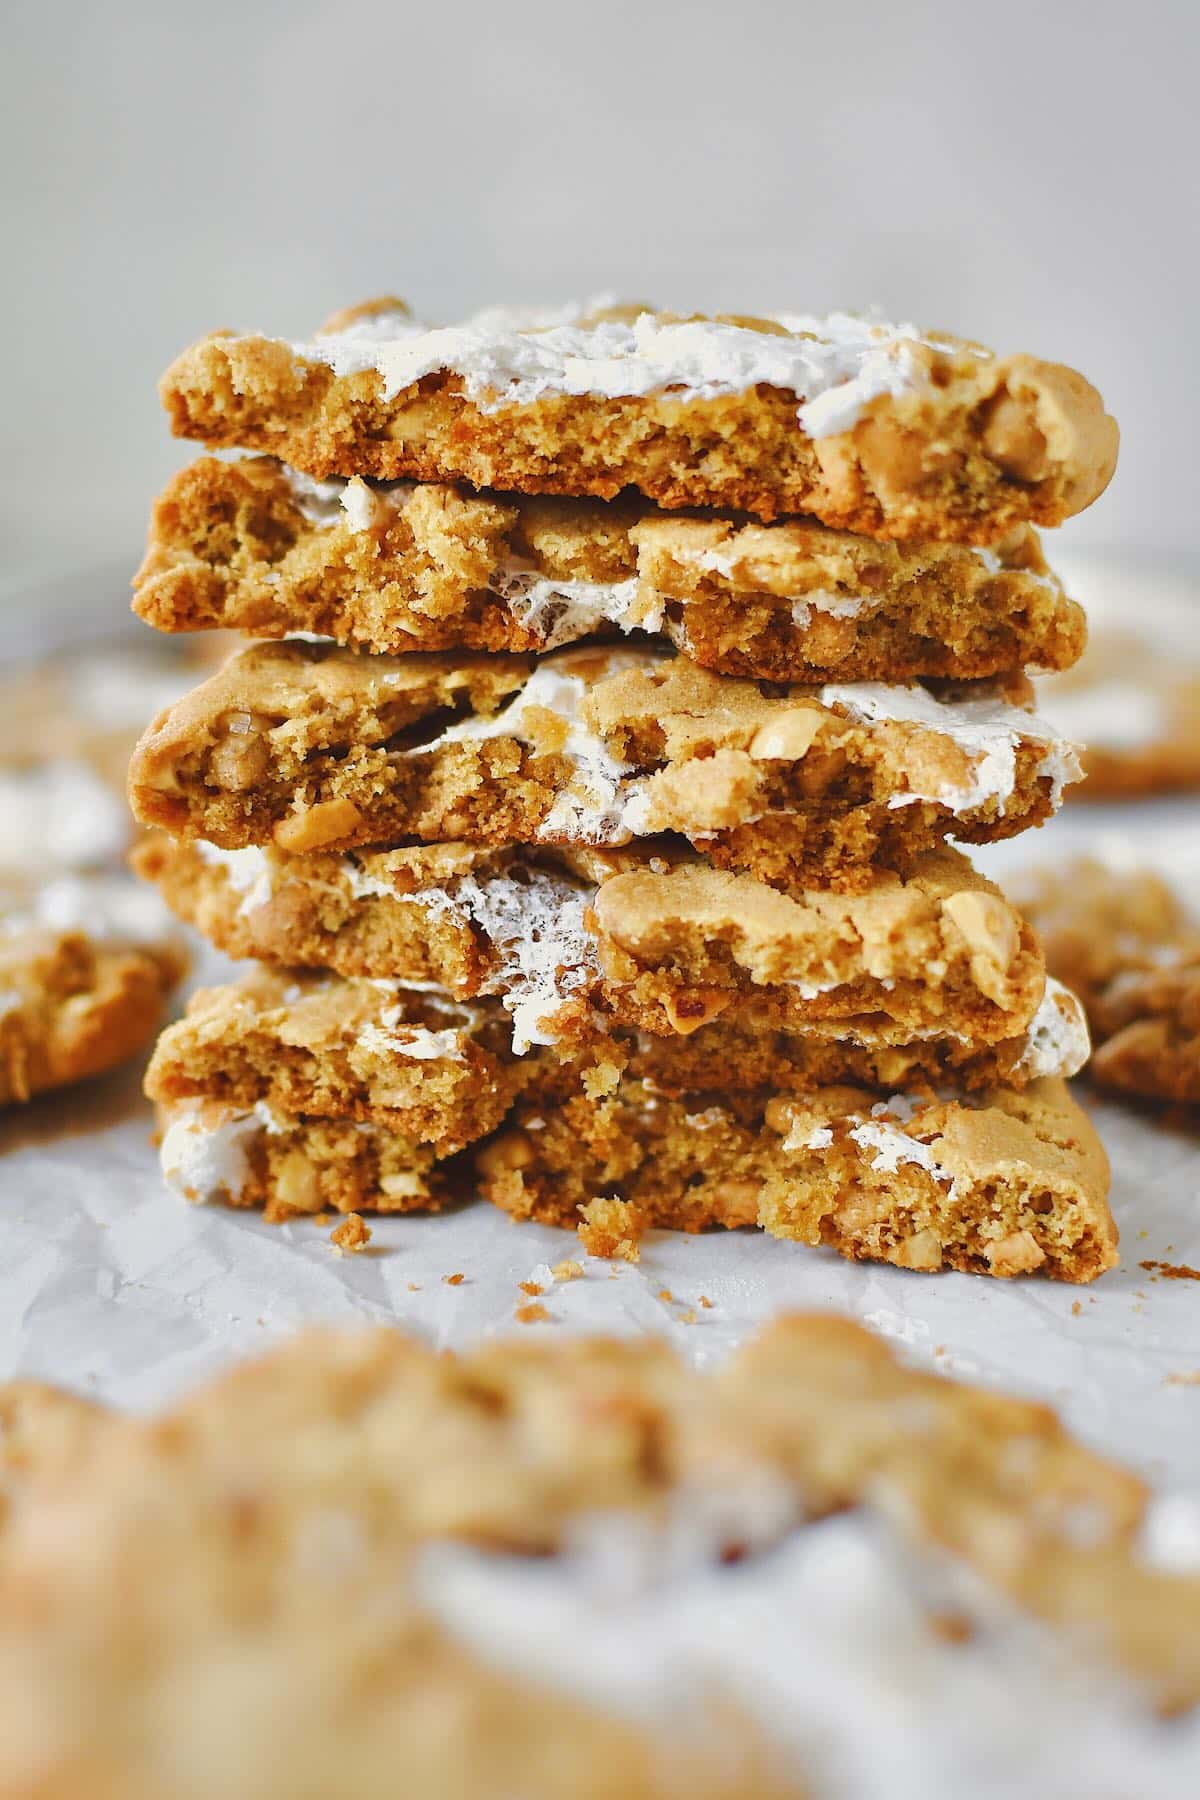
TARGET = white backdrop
(1025,174)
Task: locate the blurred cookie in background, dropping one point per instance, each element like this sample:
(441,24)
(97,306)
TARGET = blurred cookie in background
(86,965)
(1133,700)
(1124,942)
(68,726)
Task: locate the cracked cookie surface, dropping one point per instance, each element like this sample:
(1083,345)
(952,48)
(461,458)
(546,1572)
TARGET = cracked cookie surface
(402,566)
(870,428)
(314,748)
(1000,1183)
(654,939)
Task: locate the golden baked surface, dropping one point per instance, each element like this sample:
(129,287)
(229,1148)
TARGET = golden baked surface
(867,428)
(76,1006)
(1000,1183)
(314,748)
(252,545)
(650,937)
(258,1084)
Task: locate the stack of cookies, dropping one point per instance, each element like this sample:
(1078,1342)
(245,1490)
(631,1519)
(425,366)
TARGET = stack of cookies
(586,809)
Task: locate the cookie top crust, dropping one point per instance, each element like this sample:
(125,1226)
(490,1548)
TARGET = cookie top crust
(873,427)
(833,366)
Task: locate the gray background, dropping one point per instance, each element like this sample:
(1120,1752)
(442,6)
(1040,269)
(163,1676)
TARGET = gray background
(1025,174)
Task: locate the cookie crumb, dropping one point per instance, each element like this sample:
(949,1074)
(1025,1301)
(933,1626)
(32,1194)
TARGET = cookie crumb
(351,1236)
(567,1271)
(455,1280)
(1172,1271)
(1183,1378)
(689,1317)
(533,1313)
(665,1294)
(414,1287)
(1076,1308)
(531,1287)
(706,1303)
(611,1228)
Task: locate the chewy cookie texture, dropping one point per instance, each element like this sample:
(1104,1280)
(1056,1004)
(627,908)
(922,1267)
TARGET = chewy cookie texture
(306,1094)
(427,566)
(872,428)
(1001,1183)
(660,941)
(1131,951)
(300,1529)
(312,748)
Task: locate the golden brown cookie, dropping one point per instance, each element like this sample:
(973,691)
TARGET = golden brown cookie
(315,748)
(1000,1183)
(1131,951)
(324,1048)
(662,942)
(85,970)
(401,566)
(872,428)
(259,1556)
(1134,709)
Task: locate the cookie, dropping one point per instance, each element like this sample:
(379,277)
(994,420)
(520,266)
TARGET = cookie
(290,1542)
(315,748)
(86,965)
(250,1152)
(660,942)
(746,1050)
(1000,1183)
(67,729)
(1134,707)
(868,427)
(1132,952)
(405,566)
(320,1047)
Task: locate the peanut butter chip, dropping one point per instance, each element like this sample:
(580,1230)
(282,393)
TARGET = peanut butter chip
(325,823)
(788,737)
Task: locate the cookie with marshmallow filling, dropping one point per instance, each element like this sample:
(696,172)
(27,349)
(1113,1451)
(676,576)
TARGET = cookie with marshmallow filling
(397,566)
(311,747)
(869,427)
(648,937)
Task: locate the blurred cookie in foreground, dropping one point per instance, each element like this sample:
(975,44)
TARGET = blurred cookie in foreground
(1131,952)
(85,970)
(364,1567)
(1133,707)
